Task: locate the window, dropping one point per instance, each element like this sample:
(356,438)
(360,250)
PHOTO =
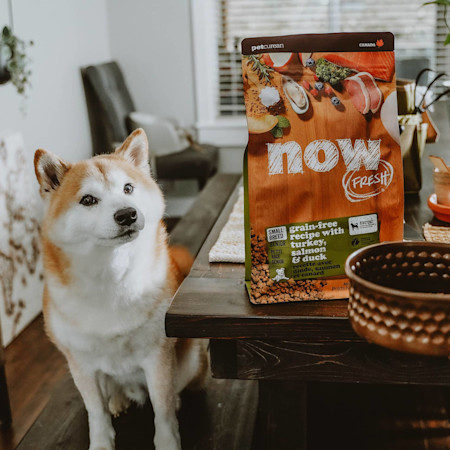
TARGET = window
(419,33)
(442,55)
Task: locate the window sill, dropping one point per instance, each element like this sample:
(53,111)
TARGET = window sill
(224,132)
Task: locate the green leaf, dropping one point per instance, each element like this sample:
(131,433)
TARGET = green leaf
(277,132)
(283,122)
(438,2)
(447,39)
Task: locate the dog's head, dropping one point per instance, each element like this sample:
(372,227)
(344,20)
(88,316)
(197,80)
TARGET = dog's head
(104,201)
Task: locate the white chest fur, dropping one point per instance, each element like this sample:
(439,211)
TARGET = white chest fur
(113,310)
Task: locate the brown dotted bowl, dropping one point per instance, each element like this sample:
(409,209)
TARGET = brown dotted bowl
(400,296)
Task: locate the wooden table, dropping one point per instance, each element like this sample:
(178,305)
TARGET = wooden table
(285,346)
(5,408)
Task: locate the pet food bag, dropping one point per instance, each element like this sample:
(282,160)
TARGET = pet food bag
(323,167)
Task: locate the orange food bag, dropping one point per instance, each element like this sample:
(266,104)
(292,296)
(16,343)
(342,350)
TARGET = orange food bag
(323,166)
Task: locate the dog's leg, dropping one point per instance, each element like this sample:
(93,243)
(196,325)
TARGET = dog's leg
(101,431)
(192,364)
(200,377)
(159,369)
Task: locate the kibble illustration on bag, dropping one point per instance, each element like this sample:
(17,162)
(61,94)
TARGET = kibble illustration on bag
(323,166)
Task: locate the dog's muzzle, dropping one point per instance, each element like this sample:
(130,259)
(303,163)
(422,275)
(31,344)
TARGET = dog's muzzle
(125,217)
(130,221)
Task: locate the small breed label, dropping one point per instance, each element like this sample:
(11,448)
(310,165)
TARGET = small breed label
(276,234)
(363,224)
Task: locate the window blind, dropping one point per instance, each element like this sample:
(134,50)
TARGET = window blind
(418,32)
(442,52)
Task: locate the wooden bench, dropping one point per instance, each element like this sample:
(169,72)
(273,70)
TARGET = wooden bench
(222,417)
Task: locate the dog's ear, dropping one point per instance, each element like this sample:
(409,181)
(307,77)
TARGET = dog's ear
(50,171)
(135,150)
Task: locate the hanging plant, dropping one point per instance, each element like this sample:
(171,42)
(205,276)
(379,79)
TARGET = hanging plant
(14,61)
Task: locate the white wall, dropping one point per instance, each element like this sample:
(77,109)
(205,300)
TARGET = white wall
(151,40)
(67,34)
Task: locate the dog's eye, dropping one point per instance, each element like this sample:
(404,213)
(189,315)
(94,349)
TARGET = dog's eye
(88,200)
(128,188)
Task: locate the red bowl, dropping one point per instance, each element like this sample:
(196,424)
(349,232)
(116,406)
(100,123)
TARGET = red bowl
(441,212)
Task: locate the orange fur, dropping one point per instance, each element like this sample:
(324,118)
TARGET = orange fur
(116,160)
(46,304)
(56,262)
(68,191)
(180,263)
(58,172)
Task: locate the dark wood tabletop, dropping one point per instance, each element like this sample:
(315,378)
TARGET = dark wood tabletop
(213,302)
(286,346)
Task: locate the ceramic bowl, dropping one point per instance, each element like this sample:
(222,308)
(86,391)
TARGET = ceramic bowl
(441,212)
(400,296)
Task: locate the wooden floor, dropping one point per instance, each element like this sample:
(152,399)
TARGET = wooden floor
(340,416)
(221,417)
(33,368)
(376,417)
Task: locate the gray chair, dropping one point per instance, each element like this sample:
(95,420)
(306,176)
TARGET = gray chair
(109,104)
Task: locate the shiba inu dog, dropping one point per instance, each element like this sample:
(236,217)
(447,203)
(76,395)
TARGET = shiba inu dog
(109,279)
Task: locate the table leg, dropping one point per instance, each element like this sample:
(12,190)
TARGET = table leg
(5,410)
(281,419)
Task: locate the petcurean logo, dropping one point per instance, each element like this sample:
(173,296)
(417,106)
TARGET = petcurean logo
(378,44)
(266,46)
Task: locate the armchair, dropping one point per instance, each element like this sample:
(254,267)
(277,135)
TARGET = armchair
(112,116)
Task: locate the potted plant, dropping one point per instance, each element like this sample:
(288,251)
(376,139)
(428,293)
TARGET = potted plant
(14,60)
(444,4)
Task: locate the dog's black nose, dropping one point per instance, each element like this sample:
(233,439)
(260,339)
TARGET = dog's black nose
(125,216)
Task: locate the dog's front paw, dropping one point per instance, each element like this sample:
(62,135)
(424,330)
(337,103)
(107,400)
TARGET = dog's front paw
(167,438)
(104,446)
(101,447)
(103,440)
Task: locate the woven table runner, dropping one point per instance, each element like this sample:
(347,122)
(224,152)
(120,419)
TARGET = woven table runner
(436,234)
(230,246)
